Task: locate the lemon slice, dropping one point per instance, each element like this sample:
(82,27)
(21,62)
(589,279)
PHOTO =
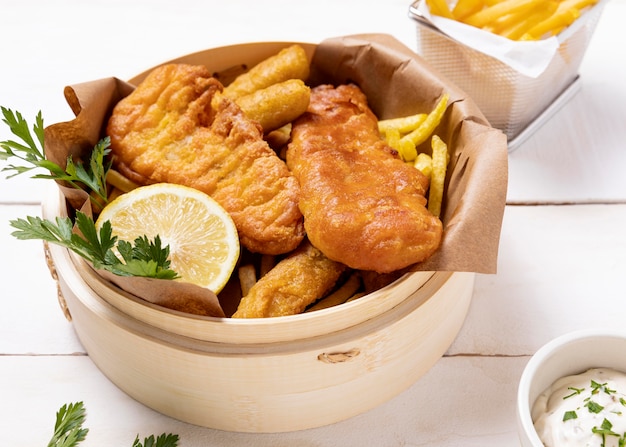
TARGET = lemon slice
(203,240)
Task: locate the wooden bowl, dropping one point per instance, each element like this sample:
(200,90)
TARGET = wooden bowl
(261,375)
(264,375)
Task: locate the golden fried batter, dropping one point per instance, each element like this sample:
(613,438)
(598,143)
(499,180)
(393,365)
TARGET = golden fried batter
(362,205)
(302,278)
(176,127)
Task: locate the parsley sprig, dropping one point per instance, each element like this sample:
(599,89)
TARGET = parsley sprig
(28,150)
(68,428)
(143,258)
(69,431)
(163,440)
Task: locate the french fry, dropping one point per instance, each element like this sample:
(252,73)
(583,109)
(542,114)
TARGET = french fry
(114,178)
(339,296)
(278,138)
(289,63)
(577,4)
(438,176)
(115,193)
(276,105)
(403,124)
(392,137)
(516,19)
(421,134)
(465,8)
(405,149)
(516,30)
(560,19)
(506,21)
(247,278)
(491,13)
(440,8)
(424,163)
(432,166)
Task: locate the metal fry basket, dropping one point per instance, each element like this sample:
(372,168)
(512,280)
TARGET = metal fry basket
(510,100)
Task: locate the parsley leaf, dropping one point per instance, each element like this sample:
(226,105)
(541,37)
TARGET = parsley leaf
(569,415)
(162,441)
(575,391)
(594,407)
(597,387)
(68,431)
(30,150)
(143,258)
(605,429)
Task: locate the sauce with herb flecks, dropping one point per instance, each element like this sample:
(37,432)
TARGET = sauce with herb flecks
(583,410)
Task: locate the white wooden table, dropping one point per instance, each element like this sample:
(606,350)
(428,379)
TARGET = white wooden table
(562,260)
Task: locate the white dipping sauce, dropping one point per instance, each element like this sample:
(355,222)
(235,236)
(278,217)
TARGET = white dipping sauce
(583,410)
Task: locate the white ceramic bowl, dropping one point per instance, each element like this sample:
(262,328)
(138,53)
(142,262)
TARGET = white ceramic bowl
(568,354)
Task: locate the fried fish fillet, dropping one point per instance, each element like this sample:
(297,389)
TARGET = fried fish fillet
(362,205)
(176,127)
(300,279)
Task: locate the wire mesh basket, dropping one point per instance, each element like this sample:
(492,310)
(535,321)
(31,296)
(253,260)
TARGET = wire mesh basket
(510,100)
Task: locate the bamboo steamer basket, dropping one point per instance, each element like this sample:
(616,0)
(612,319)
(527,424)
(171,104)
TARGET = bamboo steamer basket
(261,375)
(274,375)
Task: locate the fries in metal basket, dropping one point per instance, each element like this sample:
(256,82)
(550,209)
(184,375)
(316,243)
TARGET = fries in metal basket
(515,19)
(563,17)
(494,12)
(464,8)
(441,8)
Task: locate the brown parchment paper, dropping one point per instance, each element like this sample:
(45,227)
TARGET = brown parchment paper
(397,82)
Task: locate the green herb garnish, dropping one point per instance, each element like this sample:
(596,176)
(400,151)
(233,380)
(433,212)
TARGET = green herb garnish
(569,415)
(143,258)
(576,391)
(597,387)
(594,407)
(30,150)
(161,441)
(69,431)
(68,428)
(604,430)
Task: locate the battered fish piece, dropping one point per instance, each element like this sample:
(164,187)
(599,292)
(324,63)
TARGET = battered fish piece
(362,205)
(177,127)
(302,278)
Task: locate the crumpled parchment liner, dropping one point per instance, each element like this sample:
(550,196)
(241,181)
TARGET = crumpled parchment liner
(397,82)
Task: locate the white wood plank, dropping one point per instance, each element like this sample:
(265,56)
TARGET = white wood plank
(578,155)
(31,320)
(465,401)
(561,268)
